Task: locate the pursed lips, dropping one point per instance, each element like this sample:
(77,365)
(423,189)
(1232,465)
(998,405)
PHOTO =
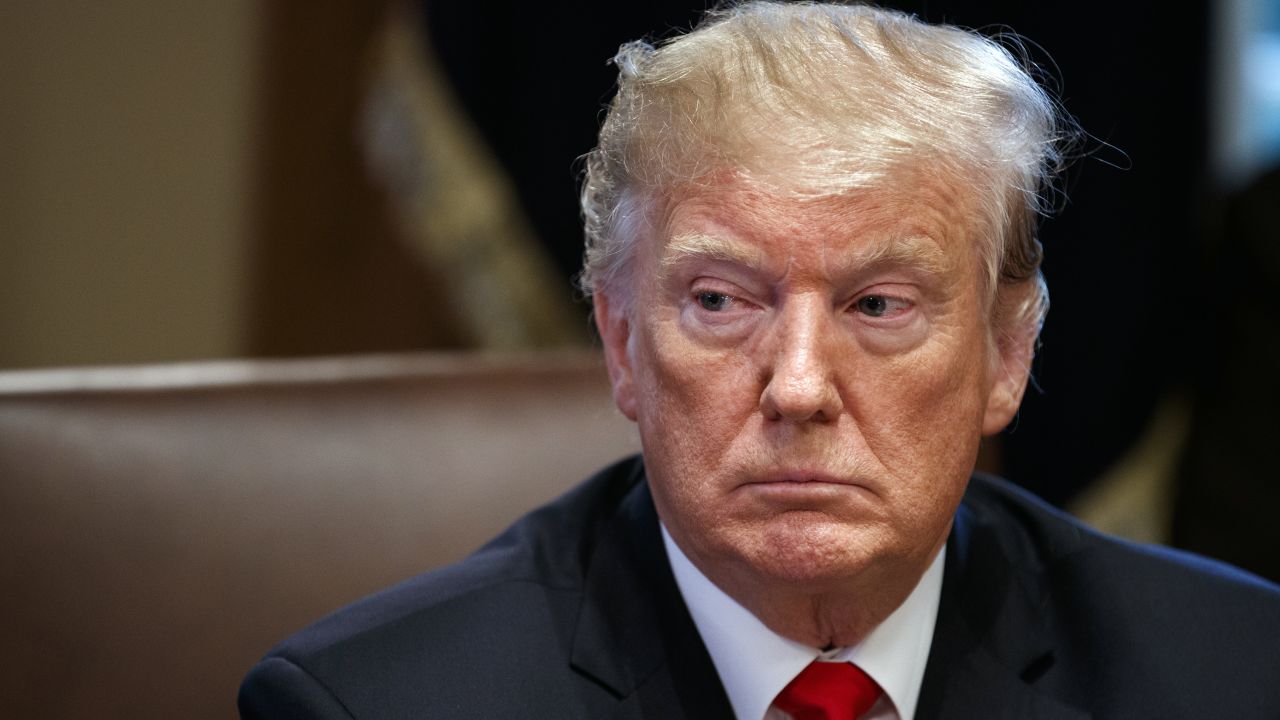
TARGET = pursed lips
(807,477)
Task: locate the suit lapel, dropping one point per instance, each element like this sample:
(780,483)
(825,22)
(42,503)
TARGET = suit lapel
(993,639)
(634,636)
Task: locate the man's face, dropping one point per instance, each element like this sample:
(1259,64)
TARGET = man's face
(810,379)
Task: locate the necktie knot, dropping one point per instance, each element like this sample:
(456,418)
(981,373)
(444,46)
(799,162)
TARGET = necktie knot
(828,691)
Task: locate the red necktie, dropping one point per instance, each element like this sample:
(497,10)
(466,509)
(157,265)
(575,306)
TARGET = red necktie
(828,691)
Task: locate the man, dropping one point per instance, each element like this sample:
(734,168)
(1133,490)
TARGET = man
(812,256)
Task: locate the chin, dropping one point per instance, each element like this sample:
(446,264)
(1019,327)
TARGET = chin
(802,550)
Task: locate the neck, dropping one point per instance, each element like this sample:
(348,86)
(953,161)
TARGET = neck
(824,620)
(824,614)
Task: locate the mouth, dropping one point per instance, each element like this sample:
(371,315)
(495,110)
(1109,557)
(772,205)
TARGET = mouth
(802,478)
(808,488)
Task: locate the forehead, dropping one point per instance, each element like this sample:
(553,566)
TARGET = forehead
(920,223)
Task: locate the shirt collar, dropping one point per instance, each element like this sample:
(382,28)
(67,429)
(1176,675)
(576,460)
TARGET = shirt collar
(755,663)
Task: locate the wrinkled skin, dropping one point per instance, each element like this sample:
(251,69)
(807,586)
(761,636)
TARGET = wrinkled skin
(811,379)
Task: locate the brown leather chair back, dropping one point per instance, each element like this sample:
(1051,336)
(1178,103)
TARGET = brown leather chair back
(163,526)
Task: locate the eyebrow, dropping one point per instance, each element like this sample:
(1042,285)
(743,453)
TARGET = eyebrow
(696,246)
(916,250)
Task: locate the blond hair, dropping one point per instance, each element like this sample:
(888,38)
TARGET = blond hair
(819,99)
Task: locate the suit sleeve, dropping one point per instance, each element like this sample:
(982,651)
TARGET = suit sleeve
(277,688)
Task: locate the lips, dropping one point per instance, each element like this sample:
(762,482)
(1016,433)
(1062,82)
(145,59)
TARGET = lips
(807,476)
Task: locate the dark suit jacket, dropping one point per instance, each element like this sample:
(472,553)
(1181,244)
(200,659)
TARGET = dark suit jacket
(574,613)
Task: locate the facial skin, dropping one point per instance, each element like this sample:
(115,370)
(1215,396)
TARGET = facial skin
(811,379)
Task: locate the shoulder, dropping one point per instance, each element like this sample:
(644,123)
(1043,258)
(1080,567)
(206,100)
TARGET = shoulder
(1130,621)
(516,597)
(1044,539)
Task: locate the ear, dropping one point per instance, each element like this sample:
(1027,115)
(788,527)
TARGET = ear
(1010,368)
(614,327)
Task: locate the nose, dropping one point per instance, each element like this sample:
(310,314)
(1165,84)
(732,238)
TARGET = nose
(801,378)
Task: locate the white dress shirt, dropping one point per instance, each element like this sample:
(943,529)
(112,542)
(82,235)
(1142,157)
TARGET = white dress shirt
(755,663)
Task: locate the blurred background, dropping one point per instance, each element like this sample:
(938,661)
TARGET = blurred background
(319,259)
(192,180)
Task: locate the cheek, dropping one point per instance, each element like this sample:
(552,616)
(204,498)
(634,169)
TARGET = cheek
(922,414)
(692,399)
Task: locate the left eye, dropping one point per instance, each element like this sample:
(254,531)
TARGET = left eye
(714,301)
(881,305)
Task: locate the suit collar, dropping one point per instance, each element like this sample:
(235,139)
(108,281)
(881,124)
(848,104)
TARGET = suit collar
(634,635)
(994,639)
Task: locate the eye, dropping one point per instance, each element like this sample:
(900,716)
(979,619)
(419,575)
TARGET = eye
(873,305)
(882,306)
(714,301)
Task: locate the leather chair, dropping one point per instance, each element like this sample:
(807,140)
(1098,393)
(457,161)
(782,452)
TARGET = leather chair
(162,526)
